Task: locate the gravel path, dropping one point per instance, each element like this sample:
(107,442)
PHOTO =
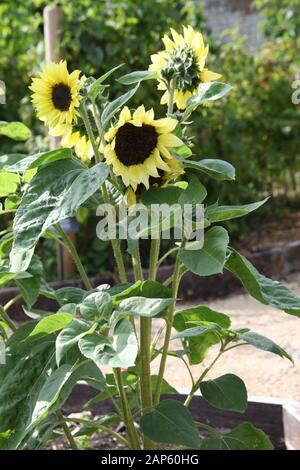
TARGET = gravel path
(265,374)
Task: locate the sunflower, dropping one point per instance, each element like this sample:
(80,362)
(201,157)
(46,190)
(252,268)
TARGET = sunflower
(56,94)
(72,137)
(183,59)
(164,177)
(138,146)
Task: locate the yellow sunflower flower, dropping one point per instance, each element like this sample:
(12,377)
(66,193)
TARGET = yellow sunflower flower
(183,59)
(56,94)
(138,146)
(72,138)
(164,177)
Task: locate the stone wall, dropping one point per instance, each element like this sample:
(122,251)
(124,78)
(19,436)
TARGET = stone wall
(224,14)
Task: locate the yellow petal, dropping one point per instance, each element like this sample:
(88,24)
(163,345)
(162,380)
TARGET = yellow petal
(138,116)
(125,116)
(169,140)
(208,76)
(165,125)
(168,43)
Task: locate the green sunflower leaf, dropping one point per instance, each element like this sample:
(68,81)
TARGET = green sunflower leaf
(210,259)
(243,437)
(137,77)
(172,423)
(112,108)
(54,193)
(220,213)
(263,289)
(215,168)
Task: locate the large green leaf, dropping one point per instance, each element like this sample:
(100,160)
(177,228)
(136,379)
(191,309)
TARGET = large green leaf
(10,159)
(114,106)
(69,336)
(96,306)
(195,193)
(197,346)
(219,213)
(156,195)
(172,423)
(144,307)
(50,391)
(243,437)
(203,313)
(14,130)
(260,287)
(137,77)
(58,386)
(70,295)
(227,392)
(21,379)
(210,91)
(120,350)
(30,287)
(6,276)
(215,168)
(50,324)
(196,331)
(39,159)
(55,193)
(263,343)
(211,257)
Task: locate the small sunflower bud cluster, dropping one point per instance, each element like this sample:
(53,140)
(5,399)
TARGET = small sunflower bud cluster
(183,67)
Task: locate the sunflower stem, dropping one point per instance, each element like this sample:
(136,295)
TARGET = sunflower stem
(86,121)
(129,422)
(66,429)
(171,311)
(145,338)
(73,252)
(7,320)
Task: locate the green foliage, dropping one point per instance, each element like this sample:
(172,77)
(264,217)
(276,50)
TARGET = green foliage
(255,128)
(210,258)
(243,437)
(171,422)
(51,197)
(281,18)
(227,392)
(96,328)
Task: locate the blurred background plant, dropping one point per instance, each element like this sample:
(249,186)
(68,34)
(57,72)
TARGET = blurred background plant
(256,128)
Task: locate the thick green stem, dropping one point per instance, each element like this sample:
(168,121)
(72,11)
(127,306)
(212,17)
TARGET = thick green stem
(132,432)
(154,254)
(115,243)
(162,367)
(67,431)
(146,330)
(72,250)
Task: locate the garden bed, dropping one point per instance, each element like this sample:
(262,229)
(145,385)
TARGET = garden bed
(279,419)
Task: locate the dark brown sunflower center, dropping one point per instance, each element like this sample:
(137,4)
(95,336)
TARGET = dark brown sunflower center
(61,96)
(135,144)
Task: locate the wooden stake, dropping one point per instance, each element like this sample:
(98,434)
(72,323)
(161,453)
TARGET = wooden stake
(52,23)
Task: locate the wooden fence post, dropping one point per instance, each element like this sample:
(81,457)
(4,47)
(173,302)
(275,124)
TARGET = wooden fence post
(52,22)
